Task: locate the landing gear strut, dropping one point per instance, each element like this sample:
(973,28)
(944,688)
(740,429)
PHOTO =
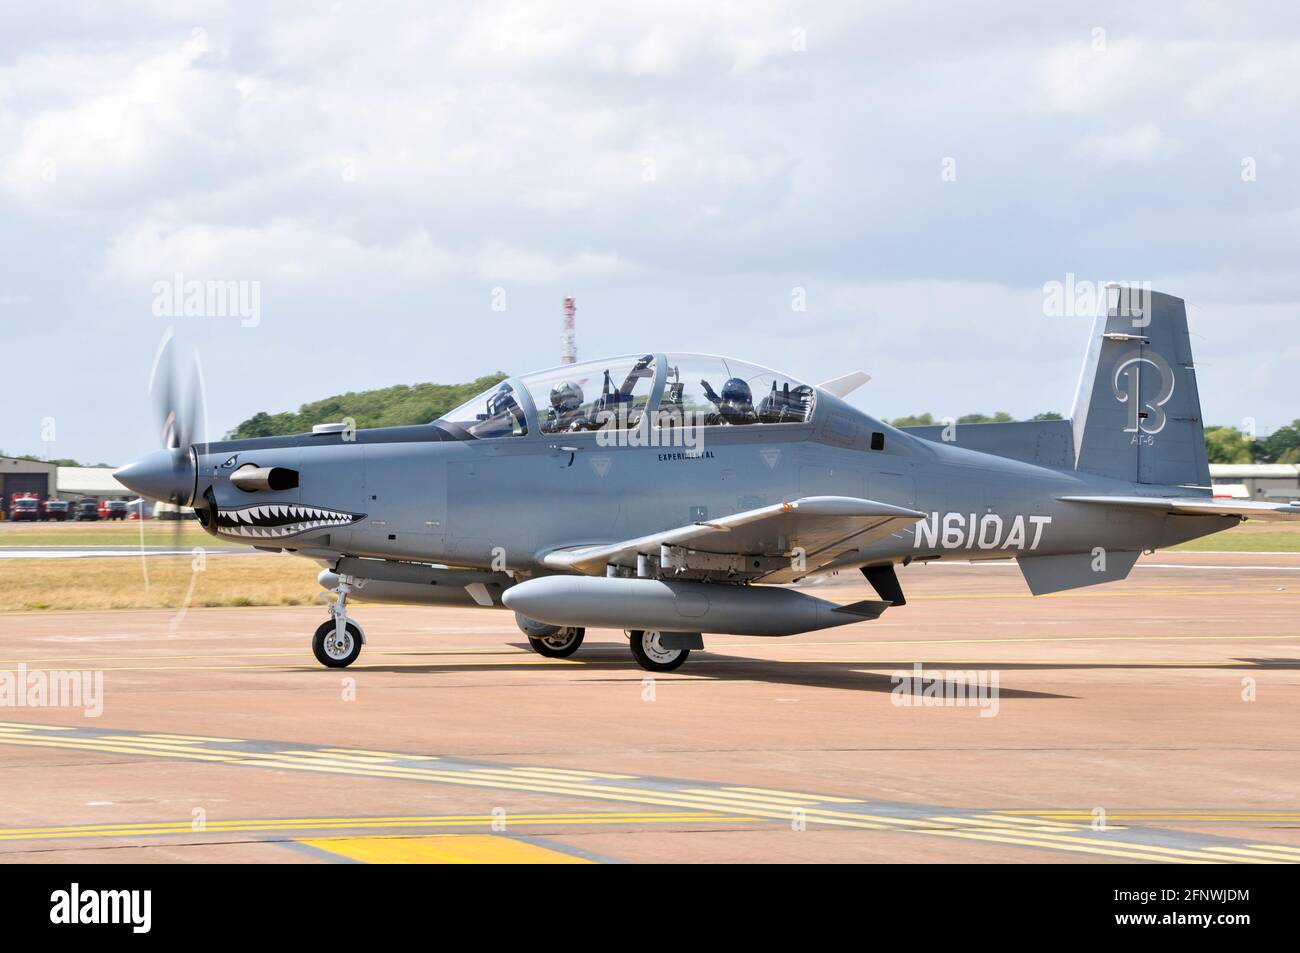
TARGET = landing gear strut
(338,641)
(565,641)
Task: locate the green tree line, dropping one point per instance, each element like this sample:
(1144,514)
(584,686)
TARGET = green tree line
(1222,444)
(420,403)
(57,461)
(1001,417)
(1230,445)
(395,406)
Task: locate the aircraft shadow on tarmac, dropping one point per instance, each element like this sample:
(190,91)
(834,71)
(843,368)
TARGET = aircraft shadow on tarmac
(845,675)
(705,667)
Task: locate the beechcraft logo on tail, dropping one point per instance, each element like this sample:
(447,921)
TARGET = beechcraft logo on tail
(1148,418)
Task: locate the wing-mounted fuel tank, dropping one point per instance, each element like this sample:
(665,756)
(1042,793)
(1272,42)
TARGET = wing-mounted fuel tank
(651,604)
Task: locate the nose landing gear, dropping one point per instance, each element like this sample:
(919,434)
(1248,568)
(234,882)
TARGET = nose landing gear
(338,641)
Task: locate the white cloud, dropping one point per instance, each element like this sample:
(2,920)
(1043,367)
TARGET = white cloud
(1144,143)
(112,141)
(679,166)
(293,252)
(153,250)
(1082,78)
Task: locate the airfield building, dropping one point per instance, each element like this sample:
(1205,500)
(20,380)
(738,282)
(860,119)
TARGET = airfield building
(25,476)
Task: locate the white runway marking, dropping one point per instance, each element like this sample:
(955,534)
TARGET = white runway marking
(1011,565)
(109,554)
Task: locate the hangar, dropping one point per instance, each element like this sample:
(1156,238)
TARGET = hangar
(1271,482)
(77,482)
(25,476)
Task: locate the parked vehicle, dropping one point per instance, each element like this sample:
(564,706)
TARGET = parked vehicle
(170,511)
(87,509)
(112,509)
(55,510)
(24,507)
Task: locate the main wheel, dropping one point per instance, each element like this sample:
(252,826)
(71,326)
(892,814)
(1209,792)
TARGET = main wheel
(560,645)
(650,654)
(336,653)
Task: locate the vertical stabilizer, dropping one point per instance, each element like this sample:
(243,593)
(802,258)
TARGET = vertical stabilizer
(1137,415)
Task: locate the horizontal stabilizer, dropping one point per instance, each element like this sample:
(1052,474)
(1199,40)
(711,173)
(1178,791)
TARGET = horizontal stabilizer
(1046,443)
(1046,574)
(1197,506)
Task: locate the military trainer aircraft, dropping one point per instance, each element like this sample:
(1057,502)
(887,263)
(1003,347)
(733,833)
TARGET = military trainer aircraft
(672,495)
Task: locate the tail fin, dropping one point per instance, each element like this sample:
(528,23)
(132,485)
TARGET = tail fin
(1137,415)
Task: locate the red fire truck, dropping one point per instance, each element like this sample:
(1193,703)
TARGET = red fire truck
(24,506)
(112,509)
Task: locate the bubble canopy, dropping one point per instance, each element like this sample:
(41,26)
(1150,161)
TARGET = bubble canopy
(621,392)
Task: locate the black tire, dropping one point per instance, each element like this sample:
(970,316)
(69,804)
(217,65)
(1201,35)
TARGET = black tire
(651,657)
(561,645)
(325,636)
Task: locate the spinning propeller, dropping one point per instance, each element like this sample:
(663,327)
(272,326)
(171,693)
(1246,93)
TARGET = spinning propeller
(168,475)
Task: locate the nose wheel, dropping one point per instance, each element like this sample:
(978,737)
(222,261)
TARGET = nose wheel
(565,641)
(335,650)
(338,641)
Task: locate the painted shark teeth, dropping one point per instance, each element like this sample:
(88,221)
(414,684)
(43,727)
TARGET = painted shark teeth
(277,520)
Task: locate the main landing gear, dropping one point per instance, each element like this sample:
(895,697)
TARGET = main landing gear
(657,651)
(654,651)
(338,641)
(564,642)
(553,641)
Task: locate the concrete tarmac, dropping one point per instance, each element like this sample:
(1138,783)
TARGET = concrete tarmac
(1153,720)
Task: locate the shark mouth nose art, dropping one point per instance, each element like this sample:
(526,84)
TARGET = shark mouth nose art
(275,520)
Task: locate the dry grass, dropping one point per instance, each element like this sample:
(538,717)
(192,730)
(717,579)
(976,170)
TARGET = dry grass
(281,580)
(1254,536)
(119,583)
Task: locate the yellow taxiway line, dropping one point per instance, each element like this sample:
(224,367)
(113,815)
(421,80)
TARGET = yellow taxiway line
(736,802)
(412,822)
(443,849)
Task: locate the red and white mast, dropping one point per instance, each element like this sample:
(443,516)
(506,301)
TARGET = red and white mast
(569,347)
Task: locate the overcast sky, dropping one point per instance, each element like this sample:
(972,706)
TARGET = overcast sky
(388,176)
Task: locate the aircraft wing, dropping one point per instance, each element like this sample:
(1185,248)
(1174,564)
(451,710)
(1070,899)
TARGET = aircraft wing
(823,527)
(1197,506)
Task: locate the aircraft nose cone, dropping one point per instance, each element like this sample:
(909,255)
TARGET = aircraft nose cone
(164,475)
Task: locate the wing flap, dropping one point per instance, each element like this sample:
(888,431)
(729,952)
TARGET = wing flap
(1197,506)
(819,526)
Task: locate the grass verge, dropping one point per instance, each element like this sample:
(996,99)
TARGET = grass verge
(120,583)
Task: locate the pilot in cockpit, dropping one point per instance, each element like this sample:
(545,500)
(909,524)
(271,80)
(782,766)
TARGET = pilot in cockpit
(735,406)
(566,413)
